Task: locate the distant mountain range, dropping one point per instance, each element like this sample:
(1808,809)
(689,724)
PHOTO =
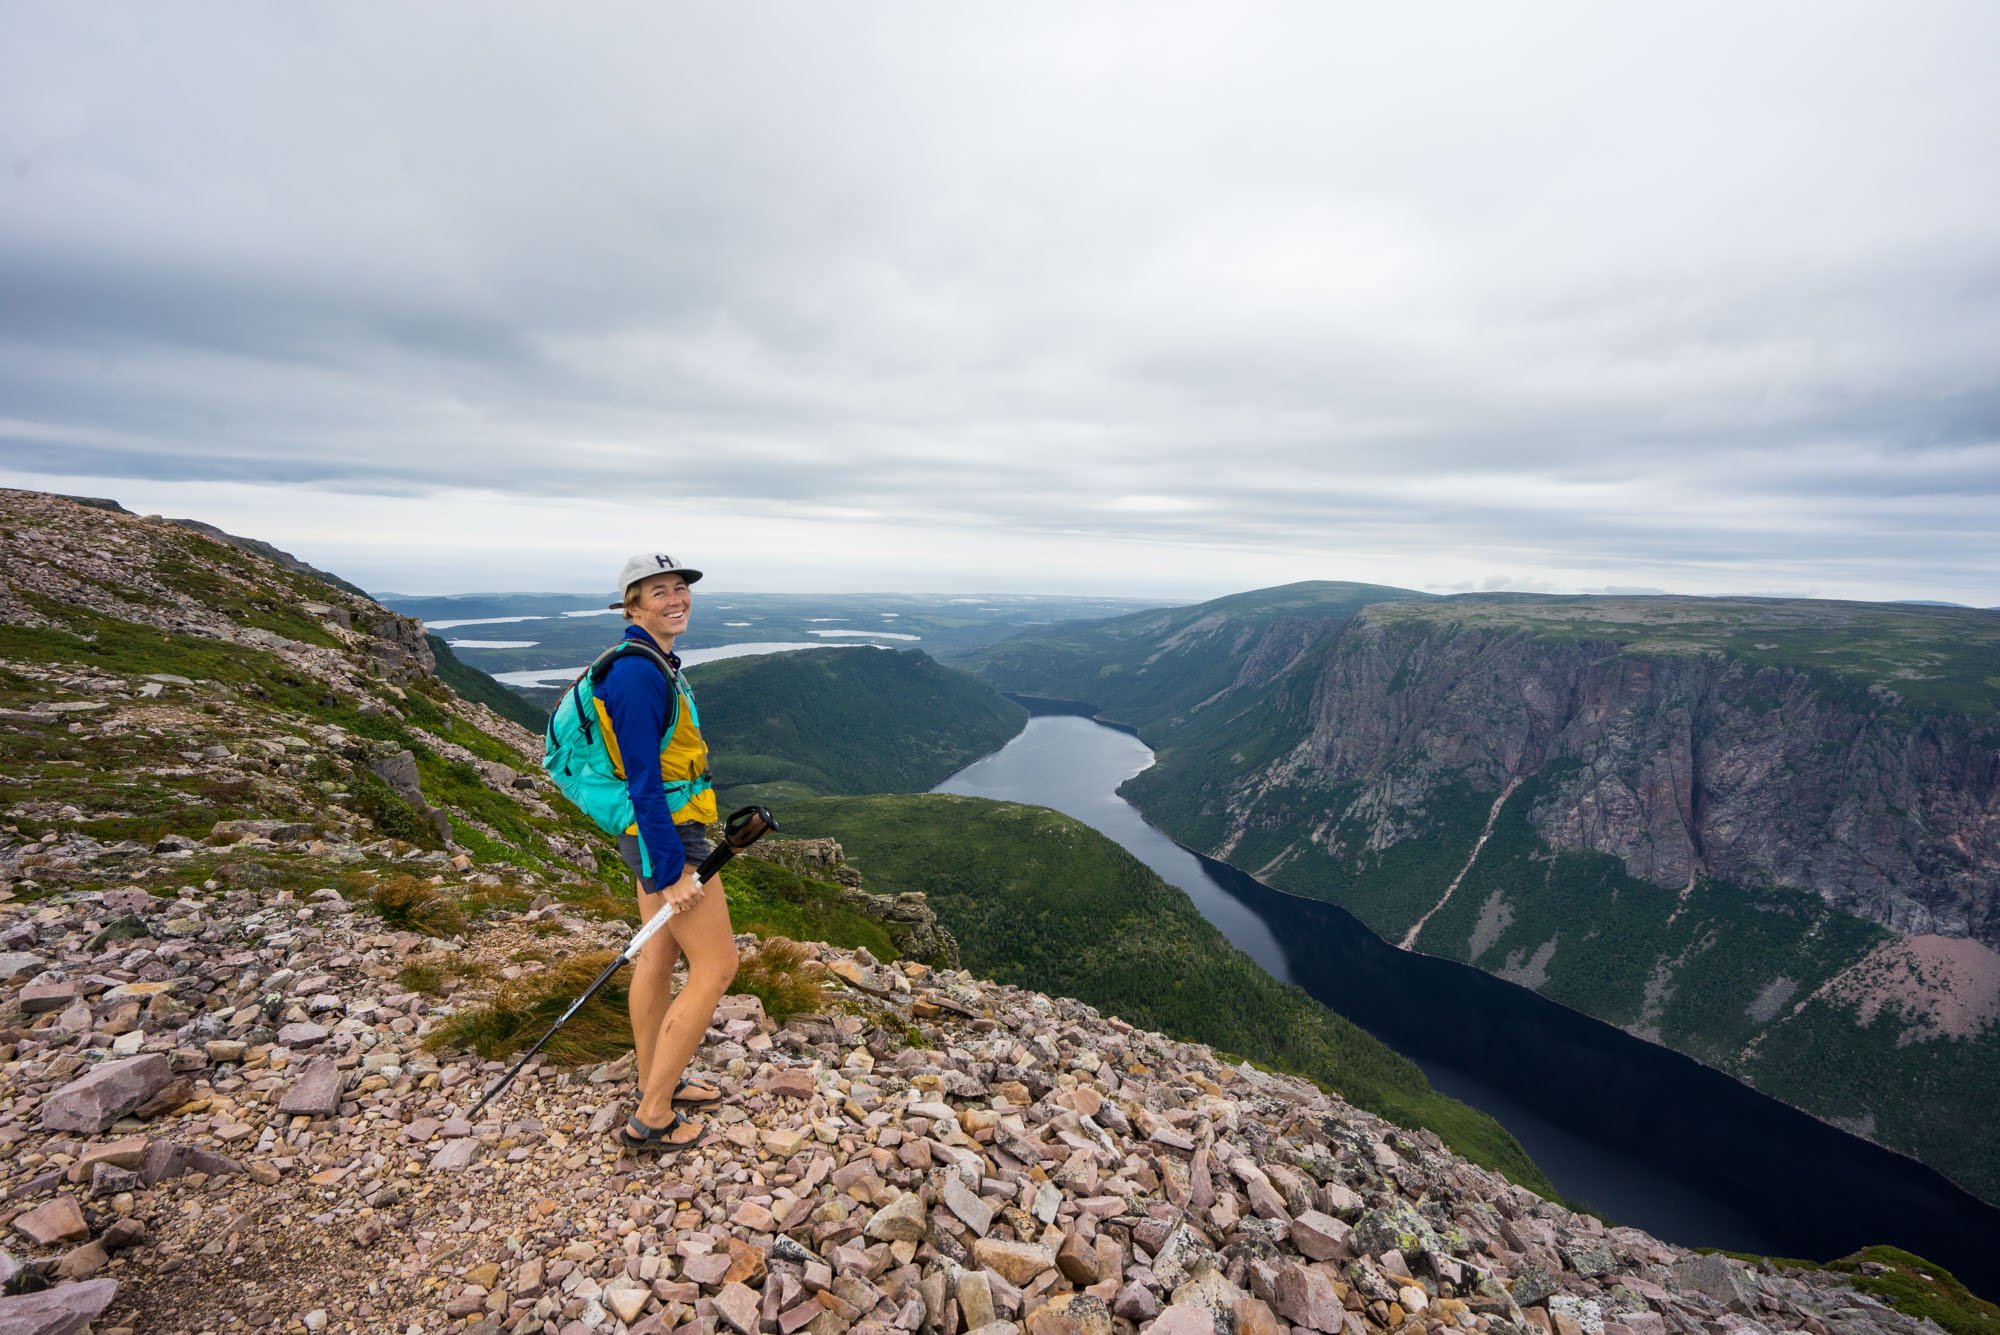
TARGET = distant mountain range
(511,633)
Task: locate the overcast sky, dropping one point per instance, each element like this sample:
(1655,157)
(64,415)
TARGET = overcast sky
(1155,299)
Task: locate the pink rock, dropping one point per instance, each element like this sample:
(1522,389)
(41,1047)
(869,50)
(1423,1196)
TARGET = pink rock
(127,1153)
(93,1102)
(82,1262)
(38,997)
(1078,1260)
(792,1082)
(455,1155)
(755,1217)
(1135,1302)
(1184,1319)
(737,1305)
(1016,1262)
(1307,1298)
(1321,1237)
(59,1220)
(1255,1317)
(316,1093)
(66,1307)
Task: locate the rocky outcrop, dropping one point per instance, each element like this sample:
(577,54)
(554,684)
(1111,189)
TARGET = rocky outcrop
(913,925)
(930,1155)
(1678,763)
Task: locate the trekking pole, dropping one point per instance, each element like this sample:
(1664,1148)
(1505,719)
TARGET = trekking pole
(744,828)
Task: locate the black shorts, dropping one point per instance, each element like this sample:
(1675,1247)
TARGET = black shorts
(694,838)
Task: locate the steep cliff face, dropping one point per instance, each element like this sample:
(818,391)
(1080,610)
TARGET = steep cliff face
(1684,764)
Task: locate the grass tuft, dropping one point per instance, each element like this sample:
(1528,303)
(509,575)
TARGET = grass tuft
(1920,1289)
(784,977)
(411,905)
(526,1007)
(421,976)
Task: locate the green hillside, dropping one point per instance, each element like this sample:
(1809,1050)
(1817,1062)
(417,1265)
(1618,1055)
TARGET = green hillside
(472,684)
(1043,901)
(857,721)
(1153,668)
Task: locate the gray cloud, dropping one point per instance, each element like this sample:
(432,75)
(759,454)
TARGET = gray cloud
(1561,295)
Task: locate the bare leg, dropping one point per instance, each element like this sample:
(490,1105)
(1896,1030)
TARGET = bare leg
(652,988)
(703,934)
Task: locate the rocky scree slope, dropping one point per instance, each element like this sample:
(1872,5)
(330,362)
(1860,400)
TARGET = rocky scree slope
(156,684)
(1766,833)
(221,1114)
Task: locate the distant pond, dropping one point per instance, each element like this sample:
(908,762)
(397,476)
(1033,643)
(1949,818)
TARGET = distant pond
(1645,1136)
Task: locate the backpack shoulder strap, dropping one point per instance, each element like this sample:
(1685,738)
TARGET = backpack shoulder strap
(600,667)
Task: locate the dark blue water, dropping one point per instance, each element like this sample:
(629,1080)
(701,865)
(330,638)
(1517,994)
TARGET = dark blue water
(1643,1135)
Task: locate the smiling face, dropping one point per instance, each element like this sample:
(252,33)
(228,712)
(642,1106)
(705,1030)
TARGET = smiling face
(660,605)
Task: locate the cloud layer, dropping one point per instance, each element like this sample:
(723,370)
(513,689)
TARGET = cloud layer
(1134,298)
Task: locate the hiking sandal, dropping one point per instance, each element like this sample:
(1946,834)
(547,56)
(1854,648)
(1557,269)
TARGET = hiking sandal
(639,1138)
(687,1095)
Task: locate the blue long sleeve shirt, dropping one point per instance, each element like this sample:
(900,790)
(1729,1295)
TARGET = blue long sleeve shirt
(636,695)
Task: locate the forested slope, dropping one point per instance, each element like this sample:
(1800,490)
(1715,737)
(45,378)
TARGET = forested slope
(861,720)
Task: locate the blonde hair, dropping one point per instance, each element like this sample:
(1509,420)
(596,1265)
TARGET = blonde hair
(631,598)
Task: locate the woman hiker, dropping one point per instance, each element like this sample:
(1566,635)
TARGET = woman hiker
(673,804)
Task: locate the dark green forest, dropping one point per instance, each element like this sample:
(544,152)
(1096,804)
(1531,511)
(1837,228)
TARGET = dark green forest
(847,721)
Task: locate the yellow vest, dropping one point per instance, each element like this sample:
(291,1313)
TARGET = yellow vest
(683,760)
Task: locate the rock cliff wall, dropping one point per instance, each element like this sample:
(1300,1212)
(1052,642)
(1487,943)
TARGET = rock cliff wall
(1680,764)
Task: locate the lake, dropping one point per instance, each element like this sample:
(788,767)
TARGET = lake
(563,676)
(1645,1136)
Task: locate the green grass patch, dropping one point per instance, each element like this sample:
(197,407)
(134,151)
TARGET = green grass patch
(525,1008)
(384,808)
(1913,1286)
(781,975)
(775,901)
(1920,1289)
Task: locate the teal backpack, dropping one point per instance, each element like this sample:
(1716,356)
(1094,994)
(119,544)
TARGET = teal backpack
(578,761)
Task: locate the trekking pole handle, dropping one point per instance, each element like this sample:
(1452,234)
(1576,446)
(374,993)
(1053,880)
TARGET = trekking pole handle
(745,827)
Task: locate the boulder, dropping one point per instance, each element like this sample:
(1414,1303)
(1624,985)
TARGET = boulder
(93,1102)
(59,1220)
(62,1310)
(1320,1237)
(1016,1262)
(738,1306)
(316,1093)
(1184,1319)
(901,1220)
(1719,1278)
(38,997)
(962,1201)
(1305,1297)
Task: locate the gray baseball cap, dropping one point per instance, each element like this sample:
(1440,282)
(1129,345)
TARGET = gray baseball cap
(647,564)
